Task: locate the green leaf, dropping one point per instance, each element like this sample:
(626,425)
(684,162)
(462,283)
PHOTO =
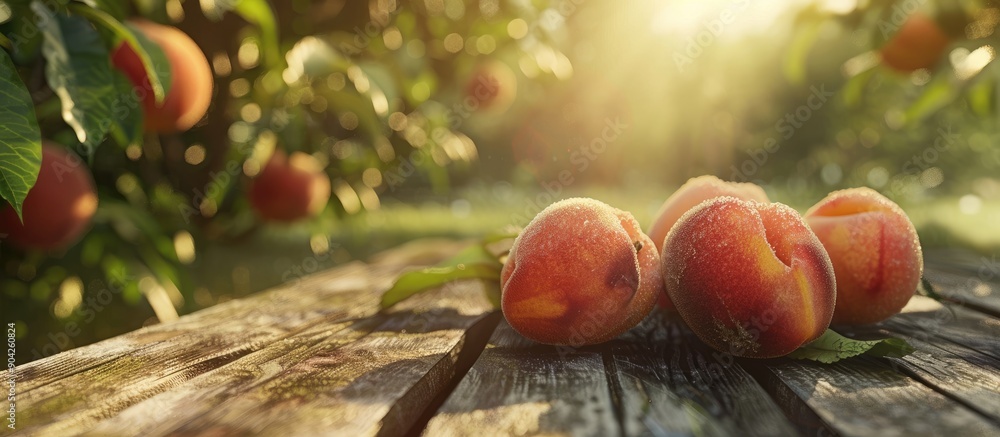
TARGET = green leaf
(796,60)
(929,291)
(474,262)
(499,236)
(150,54)
(77,69)
(127,126)
(257,12)
(23,33)
(854,90)
(115,8)
(934,97)
(20,139)
(832,347)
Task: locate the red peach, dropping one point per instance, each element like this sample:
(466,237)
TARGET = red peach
(191,78)
(291,188)
(749,278)
(59,206)
(693,192)
(581,272)
(493,86)
(919,43)
(875,252)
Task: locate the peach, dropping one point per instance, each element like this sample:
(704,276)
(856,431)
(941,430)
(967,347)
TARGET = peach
(919,43)
(749,278)
(875,253)
(692,193)
(289,188)
(59,206)
(190,91)
(582,272)
(689,195)
(493,86)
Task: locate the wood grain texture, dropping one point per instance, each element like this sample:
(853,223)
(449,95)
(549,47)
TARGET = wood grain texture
(976,287)
(75,390)
(519,387)
(672,384)
(257,310)
(958,372)
(863,397)
(925,318)
(316,357)
(170,354)
(350,382)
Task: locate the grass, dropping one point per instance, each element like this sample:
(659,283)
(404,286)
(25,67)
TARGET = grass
(278,253)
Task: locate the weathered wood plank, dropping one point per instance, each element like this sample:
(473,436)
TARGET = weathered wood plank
(302,293)
(670,383)
(255,310)
(353,382)
(963,374)
(173,408)
(976,289)
(79,400)
(924,318)
(863,397)
(518,387)
(75,389)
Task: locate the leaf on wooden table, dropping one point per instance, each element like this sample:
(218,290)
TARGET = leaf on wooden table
(832,347)
(20,139)
(77,69)
(473,262)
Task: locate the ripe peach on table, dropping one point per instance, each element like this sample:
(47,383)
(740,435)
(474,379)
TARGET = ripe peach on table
(693,192)
(875,252)
(582,272)
(749,278)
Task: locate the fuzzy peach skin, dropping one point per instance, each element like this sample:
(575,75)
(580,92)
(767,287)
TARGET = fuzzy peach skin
(749,278)
(875,252)
(692,193)
(689,195)
(580,273)
(59,207)
(191,78)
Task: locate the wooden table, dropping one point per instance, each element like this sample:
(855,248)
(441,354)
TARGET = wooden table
(316,357)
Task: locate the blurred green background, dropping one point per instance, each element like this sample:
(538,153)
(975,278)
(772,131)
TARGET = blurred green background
(620,101)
